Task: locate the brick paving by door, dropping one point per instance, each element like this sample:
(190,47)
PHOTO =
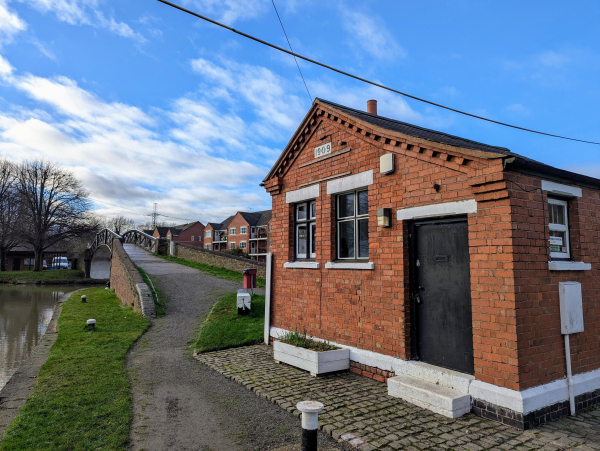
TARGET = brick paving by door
(358,410)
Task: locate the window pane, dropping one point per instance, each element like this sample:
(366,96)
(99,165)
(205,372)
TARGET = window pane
(313,210)
(363,203)
(363,238)
(301,212)
(346,205)
(557,214)
(346,239)
(313,239)
(558,241)
(301,241)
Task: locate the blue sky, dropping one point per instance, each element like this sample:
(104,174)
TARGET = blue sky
(147,104)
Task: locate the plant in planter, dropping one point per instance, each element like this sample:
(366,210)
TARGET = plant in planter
(317,357)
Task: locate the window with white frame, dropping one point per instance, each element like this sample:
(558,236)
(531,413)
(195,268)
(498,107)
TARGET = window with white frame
(231,245)
(192,238)
(208,247)
(208,234)
(352,226)
(232,231)
(242,245)
(559,228)
(243,230)
(305,230)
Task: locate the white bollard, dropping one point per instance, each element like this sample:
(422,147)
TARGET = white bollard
(310,423)
(91,322)
(84,298)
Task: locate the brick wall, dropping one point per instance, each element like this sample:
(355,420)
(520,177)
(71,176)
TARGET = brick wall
(541,352)
(219,259)
(516,330)
(124,276)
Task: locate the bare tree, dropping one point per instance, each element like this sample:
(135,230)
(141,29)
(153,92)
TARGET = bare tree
(10,207)
(120,224)
(54,206)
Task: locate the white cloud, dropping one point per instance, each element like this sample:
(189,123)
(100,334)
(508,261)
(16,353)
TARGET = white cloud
(195,170)
(85,12)
(5,67)
(10,23)
(272,97)
(553,59)
(369,33)
(230,11)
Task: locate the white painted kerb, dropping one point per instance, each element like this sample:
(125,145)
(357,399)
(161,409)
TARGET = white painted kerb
(561,190)
(310,192)
(351,182)
(524,401)
(430,211)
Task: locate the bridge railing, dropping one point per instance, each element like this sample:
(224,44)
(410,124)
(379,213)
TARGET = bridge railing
(141,239)
(106,236)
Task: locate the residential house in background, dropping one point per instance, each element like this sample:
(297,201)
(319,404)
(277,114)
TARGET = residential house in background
(191,233)
(443,264)
(248,231)
(215,235)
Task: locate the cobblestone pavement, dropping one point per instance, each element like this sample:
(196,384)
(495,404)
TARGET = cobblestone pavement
(358,410)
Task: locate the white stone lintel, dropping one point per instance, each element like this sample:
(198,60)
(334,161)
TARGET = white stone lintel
(462,207)
(344,265)
(569,266)
(310,192)
(302,265)
(351,182)
(560,189)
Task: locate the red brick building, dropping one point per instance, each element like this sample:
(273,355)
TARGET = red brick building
(191,233)
(248,231)
(437,259)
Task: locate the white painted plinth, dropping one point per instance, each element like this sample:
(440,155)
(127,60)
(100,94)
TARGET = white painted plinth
(312,361)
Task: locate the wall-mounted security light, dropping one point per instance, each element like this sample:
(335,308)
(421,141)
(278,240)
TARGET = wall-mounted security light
(384,217)
(386,163)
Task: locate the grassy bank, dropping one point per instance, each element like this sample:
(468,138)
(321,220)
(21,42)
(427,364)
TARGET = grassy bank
(224,328)
(82,397)
(160,299)
(216,271)
(57,275)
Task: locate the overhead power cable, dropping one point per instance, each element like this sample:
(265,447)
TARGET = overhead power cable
(356,77)
(288,41)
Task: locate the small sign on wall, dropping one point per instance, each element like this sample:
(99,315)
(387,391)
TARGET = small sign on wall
(322,150)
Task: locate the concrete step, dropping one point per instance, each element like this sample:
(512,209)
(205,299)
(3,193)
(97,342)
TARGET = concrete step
(437,398)
(434,374)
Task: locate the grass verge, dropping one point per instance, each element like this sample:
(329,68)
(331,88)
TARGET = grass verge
(216,271)
(82,397)
(56,275)
(223,328)
(160,299)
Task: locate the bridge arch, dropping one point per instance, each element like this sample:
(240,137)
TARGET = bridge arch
(98,256)
(100,263)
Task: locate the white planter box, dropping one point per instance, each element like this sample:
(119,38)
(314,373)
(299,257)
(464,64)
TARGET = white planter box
(312,361)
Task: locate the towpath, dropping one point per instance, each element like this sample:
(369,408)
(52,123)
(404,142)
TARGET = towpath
(180,404)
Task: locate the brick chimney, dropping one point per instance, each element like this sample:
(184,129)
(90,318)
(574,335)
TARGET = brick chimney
(372,107)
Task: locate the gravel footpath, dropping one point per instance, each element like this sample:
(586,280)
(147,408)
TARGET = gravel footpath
(180,404)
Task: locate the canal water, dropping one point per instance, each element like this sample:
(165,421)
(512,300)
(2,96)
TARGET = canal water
(25,312)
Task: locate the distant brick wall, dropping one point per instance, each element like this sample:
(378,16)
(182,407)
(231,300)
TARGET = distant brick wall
(124,276)
(213,258)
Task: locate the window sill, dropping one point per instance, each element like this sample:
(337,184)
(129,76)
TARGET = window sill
(569,266)
(343,265)
(301,265)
